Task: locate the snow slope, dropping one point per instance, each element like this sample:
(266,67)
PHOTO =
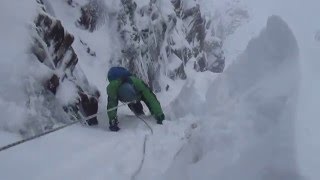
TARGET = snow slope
(247,124)
(247,128)
(94,153)
(14,60)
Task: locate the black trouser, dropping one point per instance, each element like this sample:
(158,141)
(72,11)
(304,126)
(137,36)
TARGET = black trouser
(136,108)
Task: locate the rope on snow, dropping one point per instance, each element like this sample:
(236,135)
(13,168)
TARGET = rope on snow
(54,130)
(137,172)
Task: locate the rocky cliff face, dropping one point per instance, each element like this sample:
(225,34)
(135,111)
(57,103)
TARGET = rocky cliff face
(52,47)
(156,43)
(204,46)
(157,40)
(161,39)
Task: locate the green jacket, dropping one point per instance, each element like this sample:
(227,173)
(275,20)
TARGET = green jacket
(145,94)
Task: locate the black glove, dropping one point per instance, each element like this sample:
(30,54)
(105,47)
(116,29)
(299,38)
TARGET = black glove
(114,128)
(160,118)
(114,125)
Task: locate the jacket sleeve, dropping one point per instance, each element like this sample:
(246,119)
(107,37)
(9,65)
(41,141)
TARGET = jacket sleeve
(112,91)
(148,97)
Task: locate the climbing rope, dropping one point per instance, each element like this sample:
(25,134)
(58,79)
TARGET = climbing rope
(54,129)
(137,172)
(36,136)
(151,130)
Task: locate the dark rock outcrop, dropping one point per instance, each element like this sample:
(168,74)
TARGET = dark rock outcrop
(88,49)
(52,47)
(92,15)
(53,84)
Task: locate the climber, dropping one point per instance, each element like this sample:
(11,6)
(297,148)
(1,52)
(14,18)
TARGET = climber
(125,87)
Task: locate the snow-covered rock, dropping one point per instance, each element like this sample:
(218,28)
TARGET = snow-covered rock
(53,88)
(93,14)
(159,38)
(52,46)
(250,131)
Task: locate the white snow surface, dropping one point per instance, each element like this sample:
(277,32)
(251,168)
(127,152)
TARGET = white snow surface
(247,131)
(256,121)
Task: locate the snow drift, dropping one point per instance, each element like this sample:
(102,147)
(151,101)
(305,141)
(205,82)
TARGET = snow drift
(248,130)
